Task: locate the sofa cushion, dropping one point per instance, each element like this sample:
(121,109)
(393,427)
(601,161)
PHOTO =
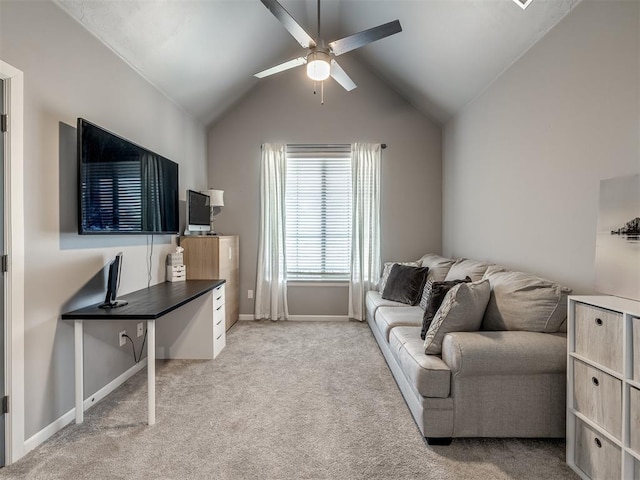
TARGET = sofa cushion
(464,267)
(389,317)
(405,284)
(438,266)
(428,374)
(461,311)
(521,301)
(373,300)
(434,299)
(386,270)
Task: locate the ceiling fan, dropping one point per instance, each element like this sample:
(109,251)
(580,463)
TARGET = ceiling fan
(320,62)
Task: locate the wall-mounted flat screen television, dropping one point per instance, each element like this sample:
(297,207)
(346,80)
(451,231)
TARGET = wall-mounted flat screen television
(123,188)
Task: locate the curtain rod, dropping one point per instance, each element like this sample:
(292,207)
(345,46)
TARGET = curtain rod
(318,145)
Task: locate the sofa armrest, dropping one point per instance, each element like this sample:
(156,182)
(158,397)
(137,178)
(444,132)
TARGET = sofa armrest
(504,353)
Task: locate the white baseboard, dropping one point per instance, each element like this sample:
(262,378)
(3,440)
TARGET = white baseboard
(304,318)
(61,422)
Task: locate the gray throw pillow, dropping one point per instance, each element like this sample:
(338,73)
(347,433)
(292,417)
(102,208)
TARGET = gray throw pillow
(386,270)
(461,311)
(435,296)
(405,284)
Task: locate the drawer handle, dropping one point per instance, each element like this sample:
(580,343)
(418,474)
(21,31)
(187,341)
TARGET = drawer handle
(222,334)
(219,308)
(219,297)
(219,322)
(598,442)
(599,322)
(595,381)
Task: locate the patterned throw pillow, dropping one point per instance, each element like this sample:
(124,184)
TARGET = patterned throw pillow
(461,311)
(424,301)
(434,299)
(387,270)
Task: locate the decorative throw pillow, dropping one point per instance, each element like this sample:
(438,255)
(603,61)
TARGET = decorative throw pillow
(426,291)
(461,311)
(434,299)
(405,284)
(387,270)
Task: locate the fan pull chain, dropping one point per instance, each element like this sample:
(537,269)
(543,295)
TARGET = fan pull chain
(322,93)
(315,87)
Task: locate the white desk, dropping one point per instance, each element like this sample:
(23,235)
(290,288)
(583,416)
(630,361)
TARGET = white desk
(147,304)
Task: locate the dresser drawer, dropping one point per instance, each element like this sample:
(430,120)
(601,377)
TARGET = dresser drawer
(635,355)
(598,396)
(598,335)
(218,296)
(595,455)
(634,420)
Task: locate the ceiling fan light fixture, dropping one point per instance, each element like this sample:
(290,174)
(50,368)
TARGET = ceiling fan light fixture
(318,66)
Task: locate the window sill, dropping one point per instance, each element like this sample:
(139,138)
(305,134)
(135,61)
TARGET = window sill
(317,283)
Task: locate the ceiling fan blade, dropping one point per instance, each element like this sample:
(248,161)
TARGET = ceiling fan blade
(282,67)
(340,76)
(361,39)
(285,18)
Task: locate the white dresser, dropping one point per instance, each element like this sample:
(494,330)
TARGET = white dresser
(219,330)
(603,387)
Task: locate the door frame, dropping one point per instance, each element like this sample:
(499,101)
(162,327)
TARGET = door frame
(14,246)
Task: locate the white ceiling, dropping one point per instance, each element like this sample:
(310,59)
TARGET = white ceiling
(203,53)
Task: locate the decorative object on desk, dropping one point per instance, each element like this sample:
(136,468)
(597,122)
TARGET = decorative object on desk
(176,270)
(617,264)
(113,283)
(216,203)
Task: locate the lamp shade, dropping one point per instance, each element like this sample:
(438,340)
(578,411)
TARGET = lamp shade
(318,66)
(216,197)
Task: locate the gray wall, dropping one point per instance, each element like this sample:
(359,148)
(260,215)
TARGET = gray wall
(283,109)
(523,162)
(69,74)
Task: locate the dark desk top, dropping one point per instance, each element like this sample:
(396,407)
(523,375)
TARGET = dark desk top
(148,303)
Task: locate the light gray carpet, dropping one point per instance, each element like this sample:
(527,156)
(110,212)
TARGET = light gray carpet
(287,400)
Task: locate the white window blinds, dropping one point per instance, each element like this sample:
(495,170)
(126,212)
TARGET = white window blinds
(318,212)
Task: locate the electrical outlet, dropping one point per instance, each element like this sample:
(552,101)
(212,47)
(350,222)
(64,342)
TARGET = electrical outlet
(249,293)
(122,338)
(140,329)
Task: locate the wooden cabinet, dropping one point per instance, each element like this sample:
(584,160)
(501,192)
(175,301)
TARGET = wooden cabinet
(210,257)
(603,397)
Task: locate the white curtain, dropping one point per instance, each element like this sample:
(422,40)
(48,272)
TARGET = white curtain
(365,242)
(271,286)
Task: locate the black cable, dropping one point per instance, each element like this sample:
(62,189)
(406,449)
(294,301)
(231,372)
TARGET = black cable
(133,346)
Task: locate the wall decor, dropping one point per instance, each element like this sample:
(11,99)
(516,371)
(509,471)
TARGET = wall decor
(617,265)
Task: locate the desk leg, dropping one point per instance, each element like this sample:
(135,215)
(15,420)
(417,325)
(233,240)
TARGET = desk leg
(151,369)
(79,367)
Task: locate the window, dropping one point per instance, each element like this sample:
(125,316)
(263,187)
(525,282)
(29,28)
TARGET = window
(318,212)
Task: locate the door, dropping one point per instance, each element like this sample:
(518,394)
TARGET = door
(2,282)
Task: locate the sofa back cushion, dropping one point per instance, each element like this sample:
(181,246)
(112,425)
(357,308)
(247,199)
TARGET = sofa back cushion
(521,301)
(464,267)
(438,266)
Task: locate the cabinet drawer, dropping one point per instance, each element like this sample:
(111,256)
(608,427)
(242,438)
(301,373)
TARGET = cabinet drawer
(598,334)
(598,396)
(218,296)
(635,355)
(634,421)
(219,342)
(595,455)
(219,323)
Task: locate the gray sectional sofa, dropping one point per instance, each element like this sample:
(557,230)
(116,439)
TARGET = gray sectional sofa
(506,380)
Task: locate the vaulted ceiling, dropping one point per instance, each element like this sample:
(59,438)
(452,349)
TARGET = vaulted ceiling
(203,53)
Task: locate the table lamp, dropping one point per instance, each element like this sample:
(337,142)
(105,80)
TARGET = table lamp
(216,203)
